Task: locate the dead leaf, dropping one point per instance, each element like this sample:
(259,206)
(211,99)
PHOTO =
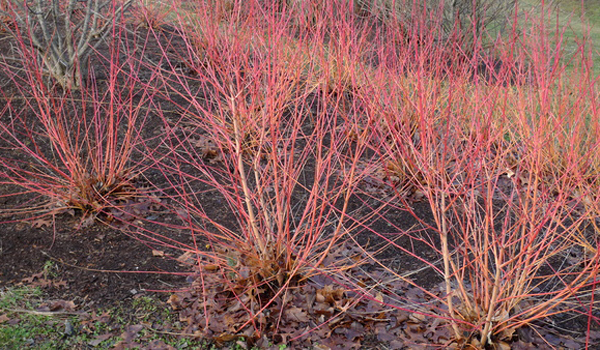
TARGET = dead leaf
(397,344)
(99,339)
(296,314)
(159,345)
(226,337)
(173,301)
(330,294)
(41,222)
(131,332)
(500,345)
(211,267)
(67,305)
(594,335)
(183,214)
(87,221)
(187,258)
(33,277)
(123,345)
(40,280)
(417,318)
(4,318)
(158,253)
(94,317)
(241,344)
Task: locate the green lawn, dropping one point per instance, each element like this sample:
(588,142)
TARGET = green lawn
(578,23)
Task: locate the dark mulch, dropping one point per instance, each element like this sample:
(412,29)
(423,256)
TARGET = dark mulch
(99,265)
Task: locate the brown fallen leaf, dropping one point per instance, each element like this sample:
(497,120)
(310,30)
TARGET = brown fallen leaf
(67,305)
(123,345)
(211,267)
(330,294)
(500,345)
(417,318)
(296,314)
(33,277)
(41,222)
(397,344)
(40,280)
(158,253)
(131,332)
(99,339)
(187,258)
(159,345)
(87,221)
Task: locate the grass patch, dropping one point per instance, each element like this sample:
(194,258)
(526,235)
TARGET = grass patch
(580,22)
(28,321)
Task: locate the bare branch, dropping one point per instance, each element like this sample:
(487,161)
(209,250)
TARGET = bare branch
(65,32)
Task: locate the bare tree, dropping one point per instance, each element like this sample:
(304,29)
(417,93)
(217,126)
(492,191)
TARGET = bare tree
(471,17)
(64,32)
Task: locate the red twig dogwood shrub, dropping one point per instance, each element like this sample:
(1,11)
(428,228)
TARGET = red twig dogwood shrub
(288,112)
(74,149)
(506,170)
(276,152)
(6,20)
(283,126)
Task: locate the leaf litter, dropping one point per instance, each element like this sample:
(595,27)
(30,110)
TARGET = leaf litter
(224,305)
